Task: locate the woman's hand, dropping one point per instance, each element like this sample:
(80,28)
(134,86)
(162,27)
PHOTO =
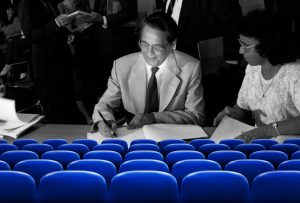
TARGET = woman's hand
(220,116)
(263,132)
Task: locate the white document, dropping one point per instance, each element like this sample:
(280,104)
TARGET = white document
(13,123)
(156,132)
(229,128)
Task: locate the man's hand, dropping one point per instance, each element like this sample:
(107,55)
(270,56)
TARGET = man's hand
(140,120)
(107,130)
(63,20)
(264,132)
(94,18)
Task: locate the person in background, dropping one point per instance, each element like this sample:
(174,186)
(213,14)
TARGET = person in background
(271,86)
(51,58)
(200,20)
(157,85)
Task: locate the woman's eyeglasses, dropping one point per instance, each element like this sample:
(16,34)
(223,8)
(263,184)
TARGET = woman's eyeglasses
(246,47)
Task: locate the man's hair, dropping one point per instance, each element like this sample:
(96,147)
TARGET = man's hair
(163,22)
(273,33)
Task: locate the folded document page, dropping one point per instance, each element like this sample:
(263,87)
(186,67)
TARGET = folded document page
(156,132)
(229,128)
(13,123)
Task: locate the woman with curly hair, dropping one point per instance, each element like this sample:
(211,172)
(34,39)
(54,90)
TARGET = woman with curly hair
(271,86)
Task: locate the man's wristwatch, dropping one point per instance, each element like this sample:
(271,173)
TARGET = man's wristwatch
(275,126)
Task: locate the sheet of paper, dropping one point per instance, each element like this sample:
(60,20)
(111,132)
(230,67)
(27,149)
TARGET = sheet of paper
(15,132)
(122,133)
(9,119)
(161,132)
(229,128)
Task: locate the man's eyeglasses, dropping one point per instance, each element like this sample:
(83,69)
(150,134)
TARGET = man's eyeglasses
(145,46)
(246,47)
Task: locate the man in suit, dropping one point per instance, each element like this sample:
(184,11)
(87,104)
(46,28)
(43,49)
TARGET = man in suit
(156,85)
(204,19)
(51,58)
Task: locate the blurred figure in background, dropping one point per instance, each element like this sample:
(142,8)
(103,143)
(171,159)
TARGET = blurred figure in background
(51,58)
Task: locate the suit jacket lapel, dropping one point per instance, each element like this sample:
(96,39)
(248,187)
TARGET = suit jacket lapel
(170,82)
(137,84)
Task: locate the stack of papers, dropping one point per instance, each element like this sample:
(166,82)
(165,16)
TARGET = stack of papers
(12,123)
(156,132)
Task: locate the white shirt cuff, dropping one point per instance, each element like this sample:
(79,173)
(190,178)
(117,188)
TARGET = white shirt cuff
(104,22)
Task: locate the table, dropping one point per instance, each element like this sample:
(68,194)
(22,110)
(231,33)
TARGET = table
(41,132)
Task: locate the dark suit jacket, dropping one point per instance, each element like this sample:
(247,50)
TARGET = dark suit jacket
(205,19)
(50,51)
(128,11)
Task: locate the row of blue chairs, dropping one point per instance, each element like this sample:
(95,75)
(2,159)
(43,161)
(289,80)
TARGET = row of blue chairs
(196,143)
(150,187)
(205,146)
(222,157)
(250,168)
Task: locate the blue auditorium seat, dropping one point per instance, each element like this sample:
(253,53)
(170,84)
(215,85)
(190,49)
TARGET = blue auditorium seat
(17,187)
(64,157)
(144,187)
(182,168)
(7,147)
(199,142)
(112,147)
(3,141)
(144,154)
(38,168)
(206,149)
(276,187)
(143,141)
(105,168)
(295,155)
(249,148)
(111,156)
(232,143)
(249,168)
(177,147)
(73,187)
(89,143)
(20,143)
(80,149)
(272,156)
(143,146)
(4,166)
(117,141)
(176,156)
(214,187)
(225,156)
(267,143)
(55,143)
(164,143)
(13,157)
(290,165)
(287,148)
(292,141)
(144,164)
(38,148)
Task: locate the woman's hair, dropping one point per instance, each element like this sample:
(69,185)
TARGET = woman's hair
(162,22)
(273,33)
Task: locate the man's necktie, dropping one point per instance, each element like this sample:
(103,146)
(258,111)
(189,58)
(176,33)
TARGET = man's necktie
(170,7)
(152,102)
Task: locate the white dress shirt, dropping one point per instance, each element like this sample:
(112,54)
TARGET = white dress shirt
(176,9)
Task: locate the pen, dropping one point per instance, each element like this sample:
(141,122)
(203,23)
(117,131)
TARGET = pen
(105,121)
